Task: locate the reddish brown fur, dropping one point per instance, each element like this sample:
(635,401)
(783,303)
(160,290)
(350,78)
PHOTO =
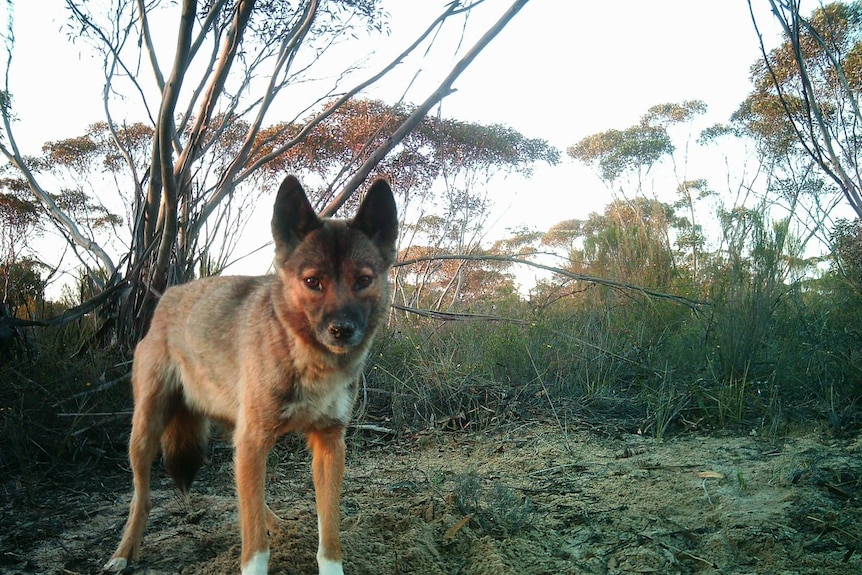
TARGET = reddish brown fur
(267,355)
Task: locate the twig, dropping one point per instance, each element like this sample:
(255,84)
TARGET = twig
(94,414)
(372,427)
(99,388)
(705,492)
(453,316)
(555,468)
(684,553)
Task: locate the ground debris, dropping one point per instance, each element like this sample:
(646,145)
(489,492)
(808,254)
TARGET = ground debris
(585,504)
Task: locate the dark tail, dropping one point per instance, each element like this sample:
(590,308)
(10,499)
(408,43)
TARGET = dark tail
(184,444)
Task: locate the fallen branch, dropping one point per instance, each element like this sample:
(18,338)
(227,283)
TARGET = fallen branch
(457,316)
(374,428)
(71,314)
(693,304)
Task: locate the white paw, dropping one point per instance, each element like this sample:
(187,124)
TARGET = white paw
(328,567)
(257,565)
(116,565)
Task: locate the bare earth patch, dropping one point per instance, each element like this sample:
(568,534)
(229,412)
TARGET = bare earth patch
(521,500)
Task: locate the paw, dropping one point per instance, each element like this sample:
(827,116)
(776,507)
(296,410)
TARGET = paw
(257,564)
(329,567)
(115,565)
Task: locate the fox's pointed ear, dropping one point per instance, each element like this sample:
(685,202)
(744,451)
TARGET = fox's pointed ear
(293,218)
(377,218)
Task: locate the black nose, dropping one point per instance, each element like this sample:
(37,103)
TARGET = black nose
(342,331)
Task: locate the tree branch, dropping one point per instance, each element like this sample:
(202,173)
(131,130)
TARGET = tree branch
(827,159)
(144,20)
(413,120)
(13,154)
(169,102)
(227,181)
(216,87)
(694,305)
(224,187)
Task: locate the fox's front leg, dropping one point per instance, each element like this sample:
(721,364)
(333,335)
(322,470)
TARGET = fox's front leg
(250,462)
(327,448)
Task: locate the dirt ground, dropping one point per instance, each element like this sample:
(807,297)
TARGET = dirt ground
(527,499)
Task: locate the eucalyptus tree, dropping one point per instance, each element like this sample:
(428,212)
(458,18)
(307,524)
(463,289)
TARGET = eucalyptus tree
(633,239)
(628,242)
(20,280)
(805,102)
(449,217)
(209,103)
(636,150)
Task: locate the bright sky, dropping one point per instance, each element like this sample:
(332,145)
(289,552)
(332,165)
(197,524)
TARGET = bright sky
(561,70)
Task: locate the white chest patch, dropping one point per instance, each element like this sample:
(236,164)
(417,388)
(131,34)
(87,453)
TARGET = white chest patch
(331,399)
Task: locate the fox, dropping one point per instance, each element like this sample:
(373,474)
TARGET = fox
(265,356)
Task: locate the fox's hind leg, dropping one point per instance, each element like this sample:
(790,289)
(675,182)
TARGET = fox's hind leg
(154,403)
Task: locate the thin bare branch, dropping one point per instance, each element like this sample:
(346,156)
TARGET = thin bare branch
(290,44)
(10,150)
(443,90)
(144,20)
(457,316)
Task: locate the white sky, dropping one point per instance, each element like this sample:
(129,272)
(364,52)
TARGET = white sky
(561,70)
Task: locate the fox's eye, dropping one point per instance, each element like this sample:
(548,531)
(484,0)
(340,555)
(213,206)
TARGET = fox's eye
(313,283)
(363,282)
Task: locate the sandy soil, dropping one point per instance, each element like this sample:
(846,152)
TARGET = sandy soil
(531,499)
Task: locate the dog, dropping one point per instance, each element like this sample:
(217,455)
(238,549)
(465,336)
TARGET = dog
(267,356)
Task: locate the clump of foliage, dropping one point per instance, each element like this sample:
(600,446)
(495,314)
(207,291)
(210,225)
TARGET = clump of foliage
(497,510)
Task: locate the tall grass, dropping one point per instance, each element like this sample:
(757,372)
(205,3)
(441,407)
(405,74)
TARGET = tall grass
(773,347)
(57,406)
